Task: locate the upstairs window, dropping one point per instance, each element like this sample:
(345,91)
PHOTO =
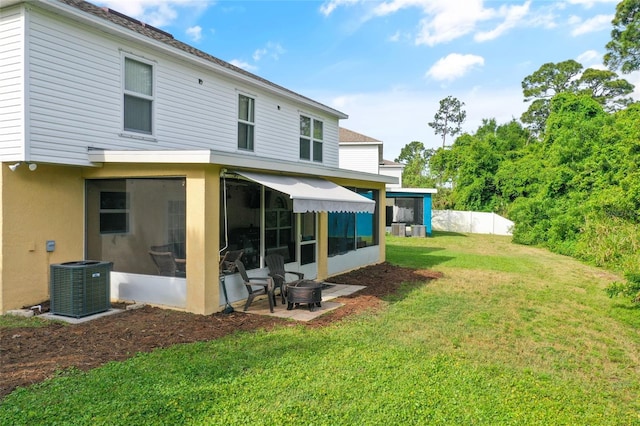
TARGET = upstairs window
(138,96)
(311,137)
(246,122)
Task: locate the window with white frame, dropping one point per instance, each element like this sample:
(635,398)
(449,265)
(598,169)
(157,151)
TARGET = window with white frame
(138,96)
(246,122)
(311,137)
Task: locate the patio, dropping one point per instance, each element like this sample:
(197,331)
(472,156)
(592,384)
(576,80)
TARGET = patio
(302,313)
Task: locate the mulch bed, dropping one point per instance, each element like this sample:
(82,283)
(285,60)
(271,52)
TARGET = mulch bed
(32,355)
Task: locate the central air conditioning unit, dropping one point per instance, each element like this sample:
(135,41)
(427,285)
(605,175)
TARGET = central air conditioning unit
(80,288)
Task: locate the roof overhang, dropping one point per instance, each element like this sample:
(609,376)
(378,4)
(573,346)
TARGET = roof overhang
(361,143)
(314,194)
(409,192)
(232,160)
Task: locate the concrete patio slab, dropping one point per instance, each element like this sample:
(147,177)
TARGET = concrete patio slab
(260,306)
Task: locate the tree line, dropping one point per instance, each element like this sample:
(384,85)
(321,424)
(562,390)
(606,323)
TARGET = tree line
(567,173)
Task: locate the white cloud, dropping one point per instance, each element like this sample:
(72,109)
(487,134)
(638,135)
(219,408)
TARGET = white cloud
(158,13)
(243,64)
(272,50)
(454,66)
(328,7)
(195,33)
(597,23)
(449,20)
(513,16)
(634,78)
(590,3)
(589,58)
(444,21)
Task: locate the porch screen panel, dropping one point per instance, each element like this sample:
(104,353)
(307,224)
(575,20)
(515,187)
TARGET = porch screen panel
(151,218)
(240,220)
(352,231)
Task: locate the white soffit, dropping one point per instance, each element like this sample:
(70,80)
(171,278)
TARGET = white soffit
(313,194)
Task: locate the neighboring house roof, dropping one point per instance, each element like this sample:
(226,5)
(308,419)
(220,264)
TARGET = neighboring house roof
(390,163)
(349,136)
(166,38)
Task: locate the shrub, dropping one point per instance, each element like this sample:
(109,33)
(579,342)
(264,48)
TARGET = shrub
(631,288)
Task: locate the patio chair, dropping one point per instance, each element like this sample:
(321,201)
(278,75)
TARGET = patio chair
(166,264)
(275,263)
(228,261)
(256,286)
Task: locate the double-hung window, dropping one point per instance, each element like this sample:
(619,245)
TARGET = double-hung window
(138,96)
(311,136)
(246,122)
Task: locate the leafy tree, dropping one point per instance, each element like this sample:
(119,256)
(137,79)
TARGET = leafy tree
(606,88)
(415,158)
(549,80)
(623,51)
(567,77)
(553,213)
(410,152)
(449,118)
(470,167)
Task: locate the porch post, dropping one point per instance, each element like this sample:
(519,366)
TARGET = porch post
(381,205)
(203,234)
(322,241)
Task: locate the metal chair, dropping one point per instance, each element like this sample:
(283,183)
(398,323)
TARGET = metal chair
(228,261)
(264,286)
(275,263)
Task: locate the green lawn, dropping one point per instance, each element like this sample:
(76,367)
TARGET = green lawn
(510,335)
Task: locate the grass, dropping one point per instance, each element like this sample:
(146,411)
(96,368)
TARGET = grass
(510,335)
(14,321)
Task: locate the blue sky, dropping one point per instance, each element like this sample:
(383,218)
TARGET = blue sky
(387,64)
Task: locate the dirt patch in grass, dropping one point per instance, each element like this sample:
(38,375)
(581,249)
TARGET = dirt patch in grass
(31,355)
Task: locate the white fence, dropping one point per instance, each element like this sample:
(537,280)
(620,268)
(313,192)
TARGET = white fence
(471,222)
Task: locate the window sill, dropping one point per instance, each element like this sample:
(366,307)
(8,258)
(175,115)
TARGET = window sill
(147,138)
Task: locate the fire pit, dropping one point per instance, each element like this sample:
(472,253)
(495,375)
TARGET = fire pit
(304,291)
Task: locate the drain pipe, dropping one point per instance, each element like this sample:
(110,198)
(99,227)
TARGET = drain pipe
(228,308)
(224,201)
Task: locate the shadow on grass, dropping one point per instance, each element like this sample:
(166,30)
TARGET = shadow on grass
(447,234)
(415,256)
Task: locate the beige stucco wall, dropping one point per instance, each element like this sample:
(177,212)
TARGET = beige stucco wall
(203,216)
(46,204)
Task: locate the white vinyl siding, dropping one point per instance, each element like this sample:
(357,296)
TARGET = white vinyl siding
(12,129)
(359,157)
(395,172)
(76,101)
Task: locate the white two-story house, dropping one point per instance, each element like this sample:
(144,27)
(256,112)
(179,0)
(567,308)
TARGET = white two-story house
(117,139)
